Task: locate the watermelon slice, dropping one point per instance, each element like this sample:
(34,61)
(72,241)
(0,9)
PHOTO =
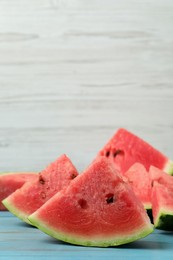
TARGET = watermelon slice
(11,181)
(160,177)
(140,181)
(125,148)
(97,209)
(162,199)
(34,194)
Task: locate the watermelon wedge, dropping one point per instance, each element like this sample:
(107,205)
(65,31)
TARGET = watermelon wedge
(34,194)
(140,181)
(11,181)
(97,209)
(159,176)
(162,199)
(125,148)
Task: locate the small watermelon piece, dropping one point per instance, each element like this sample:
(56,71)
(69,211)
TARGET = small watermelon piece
(162,207)
(140,181)
(160,177)
(34,194)
(162,199)
(125,148)
(11,181)
(97,209)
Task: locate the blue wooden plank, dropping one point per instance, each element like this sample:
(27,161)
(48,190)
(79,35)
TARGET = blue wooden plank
(21,241)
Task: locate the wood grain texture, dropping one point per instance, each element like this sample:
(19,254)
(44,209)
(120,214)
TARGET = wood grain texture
(29,243)
(72,72)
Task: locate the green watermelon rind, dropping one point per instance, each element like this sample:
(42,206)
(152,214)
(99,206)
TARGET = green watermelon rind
(169,167)
(164,220)
(66,237)
(15,211)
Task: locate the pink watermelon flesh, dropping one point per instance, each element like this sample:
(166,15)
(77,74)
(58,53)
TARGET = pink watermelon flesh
(162,207)
(140,181)
(10,182)
(34,194)
(160,177)
(162,199)
(97,209)
(125,148)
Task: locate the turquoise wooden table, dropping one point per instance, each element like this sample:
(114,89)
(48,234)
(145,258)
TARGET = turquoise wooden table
(72,73)
(21,241)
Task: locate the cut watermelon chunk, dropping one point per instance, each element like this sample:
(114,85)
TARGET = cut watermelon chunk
(125,148)
(97,209)
(162,199)
(11,181)
(160,177)
(34,194)
(140,181)
(162,207)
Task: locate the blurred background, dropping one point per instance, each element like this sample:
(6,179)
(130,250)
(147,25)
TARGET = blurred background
(73,71)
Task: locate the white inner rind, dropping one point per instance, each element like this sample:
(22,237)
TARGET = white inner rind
(15,211)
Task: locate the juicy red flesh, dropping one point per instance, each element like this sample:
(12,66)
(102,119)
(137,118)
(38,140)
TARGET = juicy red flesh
(124,149)
(97,202)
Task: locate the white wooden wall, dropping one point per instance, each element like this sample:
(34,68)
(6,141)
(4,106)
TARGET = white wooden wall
(73,71)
